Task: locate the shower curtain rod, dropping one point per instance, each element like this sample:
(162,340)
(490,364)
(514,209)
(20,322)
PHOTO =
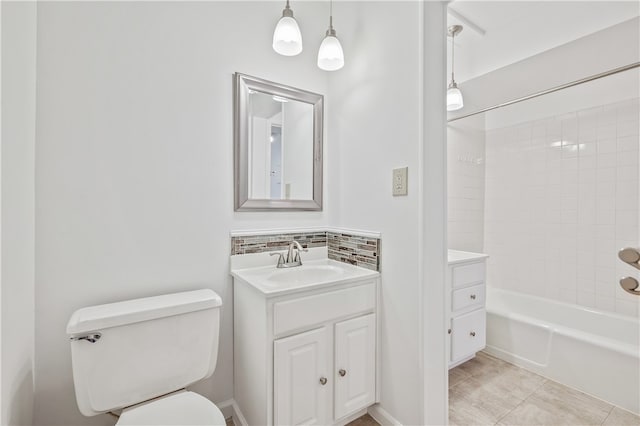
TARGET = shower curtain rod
(553,89)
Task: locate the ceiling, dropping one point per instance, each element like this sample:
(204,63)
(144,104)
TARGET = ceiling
(515,30)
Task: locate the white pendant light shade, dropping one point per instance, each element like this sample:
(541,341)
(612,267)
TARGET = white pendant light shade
(330,55)
(454,99)
(287,39)
(454,95)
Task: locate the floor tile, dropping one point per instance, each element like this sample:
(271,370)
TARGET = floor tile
(555,404)
(508,378)
(472,402)
(620,417)
(365,420)
(481,363)
(456,375)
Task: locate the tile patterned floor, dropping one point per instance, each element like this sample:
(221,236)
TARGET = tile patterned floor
(489,391)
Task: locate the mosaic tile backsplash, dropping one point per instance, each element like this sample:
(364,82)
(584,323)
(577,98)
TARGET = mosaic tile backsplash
(354,249)
(343,247)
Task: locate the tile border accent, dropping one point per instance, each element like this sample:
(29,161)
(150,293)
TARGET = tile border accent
(359,248)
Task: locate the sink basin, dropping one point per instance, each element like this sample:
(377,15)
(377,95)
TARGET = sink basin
(304,273)
(271,280)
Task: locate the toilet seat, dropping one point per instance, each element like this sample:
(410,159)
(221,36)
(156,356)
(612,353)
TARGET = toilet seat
(181,408)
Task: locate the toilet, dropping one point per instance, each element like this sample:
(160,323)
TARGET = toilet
(136,358)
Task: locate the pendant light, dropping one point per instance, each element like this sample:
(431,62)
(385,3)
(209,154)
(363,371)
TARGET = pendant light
(454,95)
(330,54)
(287,39)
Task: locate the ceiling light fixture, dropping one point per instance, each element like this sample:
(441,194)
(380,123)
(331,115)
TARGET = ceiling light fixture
(330,54)
(454,95)
(287,39)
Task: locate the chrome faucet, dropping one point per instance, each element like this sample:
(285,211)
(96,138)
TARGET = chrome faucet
(293,256)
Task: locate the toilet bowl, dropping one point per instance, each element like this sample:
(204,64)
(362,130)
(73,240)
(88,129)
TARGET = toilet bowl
(138,356)
(180,408)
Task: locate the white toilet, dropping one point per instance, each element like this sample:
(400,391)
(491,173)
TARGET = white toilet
(139,355)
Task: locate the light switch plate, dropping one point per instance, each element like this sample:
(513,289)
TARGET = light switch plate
(400,181)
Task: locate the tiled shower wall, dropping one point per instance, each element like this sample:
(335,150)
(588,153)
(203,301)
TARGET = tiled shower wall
(465,184)
(561,198)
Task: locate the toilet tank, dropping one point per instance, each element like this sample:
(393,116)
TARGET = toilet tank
(128,352)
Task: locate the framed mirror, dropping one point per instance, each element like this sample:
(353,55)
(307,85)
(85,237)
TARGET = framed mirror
(277,146)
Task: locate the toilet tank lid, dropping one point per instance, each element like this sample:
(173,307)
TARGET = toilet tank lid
(96,318)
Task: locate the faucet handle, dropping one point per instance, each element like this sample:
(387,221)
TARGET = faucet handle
(280,258)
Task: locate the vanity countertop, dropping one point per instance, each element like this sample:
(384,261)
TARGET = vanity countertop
(457,256)
(313,274)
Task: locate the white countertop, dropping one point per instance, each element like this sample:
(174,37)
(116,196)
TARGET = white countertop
(457,256)
(313,274)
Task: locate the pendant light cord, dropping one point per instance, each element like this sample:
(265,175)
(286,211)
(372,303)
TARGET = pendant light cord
(330,14)
(453,56)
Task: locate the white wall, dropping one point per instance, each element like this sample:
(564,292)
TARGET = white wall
(18,138)
(259,159)
(465,184)
(297,133)
(376,125)
(134,161)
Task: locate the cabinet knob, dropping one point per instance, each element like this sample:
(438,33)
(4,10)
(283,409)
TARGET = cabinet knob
(473,334)
(449,331)
(342,372)
(473,297)
(323,381)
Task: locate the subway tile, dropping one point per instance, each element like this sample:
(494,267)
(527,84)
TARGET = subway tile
(628,143)
(628,128)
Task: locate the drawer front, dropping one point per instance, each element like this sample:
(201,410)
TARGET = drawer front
(307,311)
(468,334)
(468,298)
(464,275)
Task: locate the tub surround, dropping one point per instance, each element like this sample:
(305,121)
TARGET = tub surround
(590,350)
(466,307)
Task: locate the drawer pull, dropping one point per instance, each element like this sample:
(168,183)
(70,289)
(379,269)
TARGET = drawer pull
(342,372)
(473,297)
(323,381)
(473,334)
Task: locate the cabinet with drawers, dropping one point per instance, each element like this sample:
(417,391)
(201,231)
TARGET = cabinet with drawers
(467,314)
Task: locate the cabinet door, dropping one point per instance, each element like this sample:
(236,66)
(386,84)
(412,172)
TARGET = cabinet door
(301,379)
(355,365)
(468,334)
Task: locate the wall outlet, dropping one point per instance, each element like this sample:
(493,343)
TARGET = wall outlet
(400,181)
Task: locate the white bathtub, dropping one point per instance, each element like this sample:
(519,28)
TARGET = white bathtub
(587,349)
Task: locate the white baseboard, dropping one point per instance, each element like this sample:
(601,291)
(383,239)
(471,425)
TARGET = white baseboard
(230,410)
(381,416)
(226,407)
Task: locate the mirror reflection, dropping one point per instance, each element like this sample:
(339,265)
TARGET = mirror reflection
(278,146)
(281,148)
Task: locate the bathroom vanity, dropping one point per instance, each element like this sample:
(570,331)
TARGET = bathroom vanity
(305,342)
(467,314)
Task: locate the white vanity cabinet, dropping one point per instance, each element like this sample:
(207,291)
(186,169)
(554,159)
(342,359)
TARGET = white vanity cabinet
(467,314)
(306,357)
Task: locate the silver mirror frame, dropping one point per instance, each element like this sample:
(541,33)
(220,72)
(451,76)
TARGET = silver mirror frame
(242,85)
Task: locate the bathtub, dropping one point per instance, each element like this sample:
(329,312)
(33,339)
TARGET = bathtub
(590,350)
